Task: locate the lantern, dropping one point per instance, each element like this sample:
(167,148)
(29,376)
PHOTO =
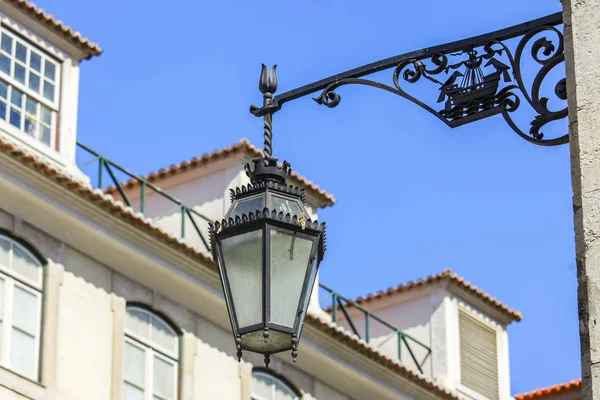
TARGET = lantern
(268,252)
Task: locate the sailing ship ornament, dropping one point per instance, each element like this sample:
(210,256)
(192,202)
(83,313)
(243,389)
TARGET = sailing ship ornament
(470,91)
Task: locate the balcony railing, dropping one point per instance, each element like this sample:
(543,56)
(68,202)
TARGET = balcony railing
(107,167)
(340,304)
(116,174)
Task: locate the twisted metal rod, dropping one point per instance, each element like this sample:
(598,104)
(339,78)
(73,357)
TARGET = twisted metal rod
(268,127)
(267,86)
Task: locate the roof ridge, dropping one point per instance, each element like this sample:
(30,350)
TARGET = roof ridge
(448,275)
(326,198)
(551,390)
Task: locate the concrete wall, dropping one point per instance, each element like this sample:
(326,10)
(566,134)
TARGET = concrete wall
(583,91)
(84,314)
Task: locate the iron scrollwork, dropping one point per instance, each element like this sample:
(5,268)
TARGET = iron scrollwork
(475,78)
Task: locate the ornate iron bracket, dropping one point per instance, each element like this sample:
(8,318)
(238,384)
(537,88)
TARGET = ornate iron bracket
(475,78)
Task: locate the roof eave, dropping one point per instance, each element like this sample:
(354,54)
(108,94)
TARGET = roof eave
(81,47)
(459,286)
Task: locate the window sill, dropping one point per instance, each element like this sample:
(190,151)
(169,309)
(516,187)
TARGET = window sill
(39,147)
(22,385)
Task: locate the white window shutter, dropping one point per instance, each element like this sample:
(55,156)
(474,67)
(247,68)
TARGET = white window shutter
(478,356)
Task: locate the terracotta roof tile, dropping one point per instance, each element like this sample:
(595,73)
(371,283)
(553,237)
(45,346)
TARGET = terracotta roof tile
(575,384)
(107,202)
(90,48)
(326,199)
(449,276)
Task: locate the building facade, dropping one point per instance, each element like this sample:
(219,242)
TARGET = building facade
(111,293)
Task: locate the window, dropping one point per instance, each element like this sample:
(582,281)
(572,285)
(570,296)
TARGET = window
(20,308)
(151,359)
(478,356)
(28,87)
(266,386)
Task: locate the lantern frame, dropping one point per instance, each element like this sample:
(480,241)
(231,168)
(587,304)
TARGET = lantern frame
(268,182)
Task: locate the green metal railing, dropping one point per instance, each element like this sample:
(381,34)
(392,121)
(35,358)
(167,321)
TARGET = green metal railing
(343,304)
(339,303)
(109,167)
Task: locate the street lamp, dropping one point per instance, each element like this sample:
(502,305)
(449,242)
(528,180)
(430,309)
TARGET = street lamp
(268,252)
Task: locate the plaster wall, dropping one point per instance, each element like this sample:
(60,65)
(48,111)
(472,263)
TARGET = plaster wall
(88,320)
(412,318)
(431,317)
(10,395)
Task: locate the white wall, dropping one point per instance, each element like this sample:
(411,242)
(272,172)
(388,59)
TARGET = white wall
(85,340)
(412,318)
(431,317)
(89,322)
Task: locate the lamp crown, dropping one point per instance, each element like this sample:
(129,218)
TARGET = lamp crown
(264,170)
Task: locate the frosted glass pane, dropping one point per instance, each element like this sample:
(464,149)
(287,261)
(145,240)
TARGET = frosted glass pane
(22,352)
(283,393)
(25,311)
(243,260)
(262,387)
(2,292)
(134,367)
(4,248)
(289,260)
(138,322)
(164,379)
(163,336)
(24,265)
(248,205)
(286,206)
(132,393)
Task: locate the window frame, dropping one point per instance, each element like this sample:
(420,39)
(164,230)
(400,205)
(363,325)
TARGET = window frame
(13,279)
(13,83)
(275,378)
(151,350)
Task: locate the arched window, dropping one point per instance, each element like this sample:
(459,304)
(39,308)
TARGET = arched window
(267,386)
(21,283)
(151,359)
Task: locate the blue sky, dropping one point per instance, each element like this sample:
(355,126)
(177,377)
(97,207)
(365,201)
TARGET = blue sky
(414,196)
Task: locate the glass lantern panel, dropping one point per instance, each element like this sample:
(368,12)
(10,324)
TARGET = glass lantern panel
(245,206)
(286,206)
(289,259)
(242,255)
(307,294)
